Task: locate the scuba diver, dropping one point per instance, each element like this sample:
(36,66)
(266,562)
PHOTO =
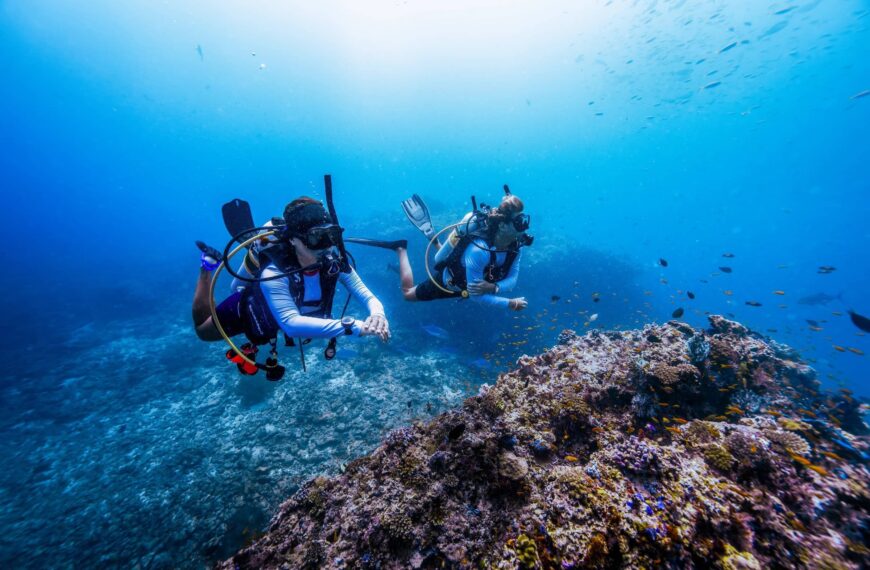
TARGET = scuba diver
(480,257)
(286,284)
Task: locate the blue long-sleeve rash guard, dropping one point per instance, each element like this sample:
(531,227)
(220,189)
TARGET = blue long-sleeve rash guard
(476,258)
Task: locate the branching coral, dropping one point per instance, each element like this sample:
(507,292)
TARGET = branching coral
(719,457)
(788,440)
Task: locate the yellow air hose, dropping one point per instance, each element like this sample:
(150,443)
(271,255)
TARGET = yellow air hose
(211,301)
(434,239)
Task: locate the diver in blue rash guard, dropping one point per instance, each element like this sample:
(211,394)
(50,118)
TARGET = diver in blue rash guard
(481,255)
(285,297)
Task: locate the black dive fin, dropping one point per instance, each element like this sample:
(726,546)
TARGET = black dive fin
(237,217)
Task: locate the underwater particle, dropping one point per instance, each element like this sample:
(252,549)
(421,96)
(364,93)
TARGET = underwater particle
(728,292)
(663,262)
(859,321)
(262,66)
(753,303)
(678,313)
(690,295)
(725,269)
(861,95)
(730,46)
(712,85)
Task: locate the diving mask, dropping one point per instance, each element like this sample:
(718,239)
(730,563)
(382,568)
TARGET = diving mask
(520,222)
(322,237)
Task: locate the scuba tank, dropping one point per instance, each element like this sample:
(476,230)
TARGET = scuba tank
(470,226)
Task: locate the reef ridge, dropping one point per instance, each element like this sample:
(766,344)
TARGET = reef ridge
(666,446)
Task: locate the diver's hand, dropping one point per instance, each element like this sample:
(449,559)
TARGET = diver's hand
(481,287)
(518,304)
(377,325)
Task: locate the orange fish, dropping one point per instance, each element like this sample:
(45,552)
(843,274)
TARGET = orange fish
(820,470)
(832,455)
(598,429)
(774,413)
(753,448)
(673,429)
(570,458)
(802,460)
(681,421)
(857,351)
(839,348)
(807,413)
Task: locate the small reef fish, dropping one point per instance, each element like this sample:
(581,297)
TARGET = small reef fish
(677,313)
(593,318)
(857,351)
(690,295)
(728,255)
(825,269)
(712,85)
(753,303)
(730,46)
(570,458)
(839,348)
(680,421)
(799,459)
(663,262)
(779,292)
(725,269)
(832,455)
(555,298)
(673,430)
(818,469)
(728,292)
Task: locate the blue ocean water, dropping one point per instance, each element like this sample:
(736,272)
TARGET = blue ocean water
(634,132)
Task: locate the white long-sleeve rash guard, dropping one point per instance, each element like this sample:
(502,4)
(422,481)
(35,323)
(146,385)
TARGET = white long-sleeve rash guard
(476,258)
(295,323)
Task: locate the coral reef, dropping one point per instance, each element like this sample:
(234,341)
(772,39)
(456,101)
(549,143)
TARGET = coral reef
(658,447)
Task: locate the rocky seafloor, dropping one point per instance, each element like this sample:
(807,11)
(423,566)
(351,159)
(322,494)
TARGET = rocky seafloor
(662,447)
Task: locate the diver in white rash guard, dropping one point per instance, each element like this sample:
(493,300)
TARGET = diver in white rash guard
(285,296)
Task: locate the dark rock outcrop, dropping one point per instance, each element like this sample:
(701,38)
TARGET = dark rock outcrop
(639,449)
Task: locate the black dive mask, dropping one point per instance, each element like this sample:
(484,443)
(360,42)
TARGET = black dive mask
(322,237)
(521,222)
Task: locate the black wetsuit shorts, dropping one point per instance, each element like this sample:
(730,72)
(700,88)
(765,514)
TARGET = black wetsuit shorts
(427,291)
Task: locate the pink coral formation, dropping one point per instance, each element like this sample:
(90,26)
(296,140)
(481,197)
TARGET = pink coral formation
(666,446)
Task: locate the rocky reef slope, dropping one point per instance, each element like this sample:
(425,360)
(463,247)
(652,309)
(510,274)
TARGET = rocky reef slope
(661,447)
